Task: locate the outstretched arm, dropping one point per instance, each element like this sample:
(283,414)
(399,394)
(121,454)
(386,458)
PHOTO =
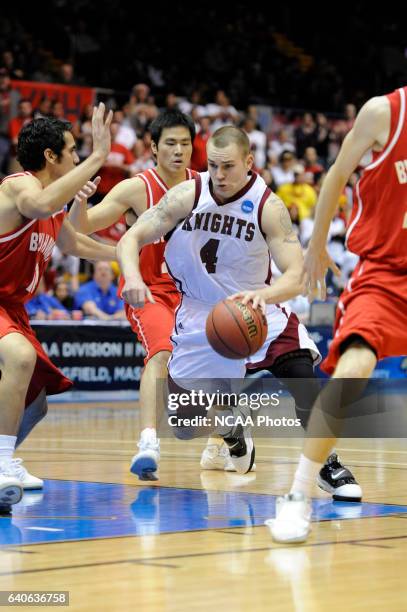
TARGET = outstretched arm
(370,130)
(34,202)
(177,203)
(72,243)
(129,194)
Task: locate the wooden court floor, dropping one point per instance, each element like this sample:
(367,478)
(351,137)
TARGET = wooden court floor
(349,562)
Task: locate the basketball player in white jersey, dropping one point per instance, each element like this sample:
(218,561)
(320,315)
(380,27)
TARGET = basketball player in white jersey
(225,225)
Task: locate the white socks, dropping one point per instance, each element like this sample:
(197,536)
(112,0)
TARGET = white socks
(148,435)
(7,446)
(305,476)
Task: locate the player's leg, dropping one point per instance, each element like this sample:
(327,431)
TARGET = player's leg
(153,325)
(291,368)
(145,462)
(293,511)
(33,414)
(17,363)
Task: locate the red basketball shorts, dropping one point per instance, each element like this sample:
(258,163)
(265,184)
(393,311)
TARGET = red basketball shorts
(153,323)
(373,306)
(14,319)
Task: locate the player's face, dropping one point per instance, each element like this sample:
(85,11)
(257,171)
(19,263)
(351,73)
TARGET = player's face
(174,149)
(69,157)
(228,168)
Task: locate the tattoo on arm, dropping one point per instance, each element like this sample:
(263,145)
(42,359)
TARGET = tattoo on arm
(285,220)
(159,217)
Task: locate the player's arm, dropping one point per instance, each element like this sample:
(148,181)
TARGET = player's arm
(370,129)
(72,243)
(156,222)
(34,202)
(286,252)
(128,194)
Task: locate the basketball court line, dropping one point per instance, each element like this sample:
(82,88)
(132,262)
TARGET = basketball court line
(103,510)
(155,560)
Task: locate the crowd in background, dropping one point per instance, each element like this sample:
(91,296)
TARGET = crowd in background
(291,154)
(260,87)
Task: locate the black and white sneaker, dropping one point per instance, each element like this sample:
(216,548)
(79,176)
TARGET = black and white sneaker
(336,479)
(242,451)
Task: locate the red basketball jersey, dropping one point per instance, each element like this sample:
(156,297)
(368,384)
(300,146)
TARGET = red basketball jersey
(152,264)
(24,255)
(378,225)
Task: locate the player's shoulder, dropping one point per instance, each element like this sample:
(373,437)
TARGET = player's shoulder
(376,107)
(18,181)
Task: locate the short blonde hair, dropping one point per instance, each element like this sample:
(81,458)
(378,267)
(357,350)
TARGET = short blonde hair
(229,134)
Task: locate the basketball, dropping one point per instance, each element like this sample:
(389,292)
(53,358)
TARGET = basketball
(236,330)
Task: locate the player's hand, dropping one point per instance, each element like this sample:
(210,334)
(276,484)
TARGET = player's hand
(256,297)
(87,191)
(316,265)
(135,292)
(101,130)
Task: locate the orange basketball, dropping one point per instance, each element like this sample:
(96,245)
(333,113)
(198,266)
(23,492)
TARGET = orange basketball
(236,330)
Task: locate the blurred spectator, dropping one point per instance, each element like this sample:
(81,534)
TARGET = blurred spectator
(194,103)
(305,134)
(311,163)
(8,108)
(283,173)
(43,306)
(199,160)
(66,266)
(322,137)
(98,297)
(142,109)
(24,116)
(221,111)
(126,135)
(62,294)
(171,101)
(258,142)
(117,166)
(57,109)
(280,144)
(66,75)
(8,62)
(299,193)
(44,108)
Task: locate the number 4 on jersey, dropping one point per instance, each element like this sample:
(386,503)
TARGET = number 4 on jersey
(208,255)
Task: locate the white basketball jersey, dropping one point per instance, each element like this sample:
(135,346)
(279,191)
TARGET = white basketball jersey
(219,249)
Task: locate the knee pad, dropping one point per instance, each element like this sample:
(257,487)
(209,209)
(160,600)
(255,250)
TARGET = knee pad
(291,367)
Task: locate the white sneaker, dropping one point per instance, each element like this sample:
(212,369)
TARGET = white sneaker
(145,463)
(242,451)
(217,457)
(11,490)
(293,519)
(27,480)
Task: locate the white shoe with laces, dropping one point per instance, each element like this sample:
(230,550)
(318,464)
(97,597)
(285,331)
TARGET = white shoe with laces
(28,481)
(145,463)
(11,490)
(217,457)
(293,519)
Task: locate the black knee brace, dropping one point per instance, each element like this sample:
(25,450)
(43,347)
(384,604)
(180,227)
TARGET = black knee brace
(297,365)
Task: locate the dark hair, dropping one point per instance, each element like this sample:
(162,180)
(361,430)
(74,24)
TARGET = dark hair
(38,135)
(170,119)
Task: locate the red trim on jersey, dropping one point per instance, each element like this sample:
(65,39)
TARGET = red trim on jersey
(286,342)
(239,194)
(198,188)
(149,192)
(264,197)
(17,231)
(16,174)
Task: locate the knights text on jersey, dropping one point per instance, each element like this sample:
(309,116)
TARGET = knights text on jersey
(24,256)
(378,225)
(219,249)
